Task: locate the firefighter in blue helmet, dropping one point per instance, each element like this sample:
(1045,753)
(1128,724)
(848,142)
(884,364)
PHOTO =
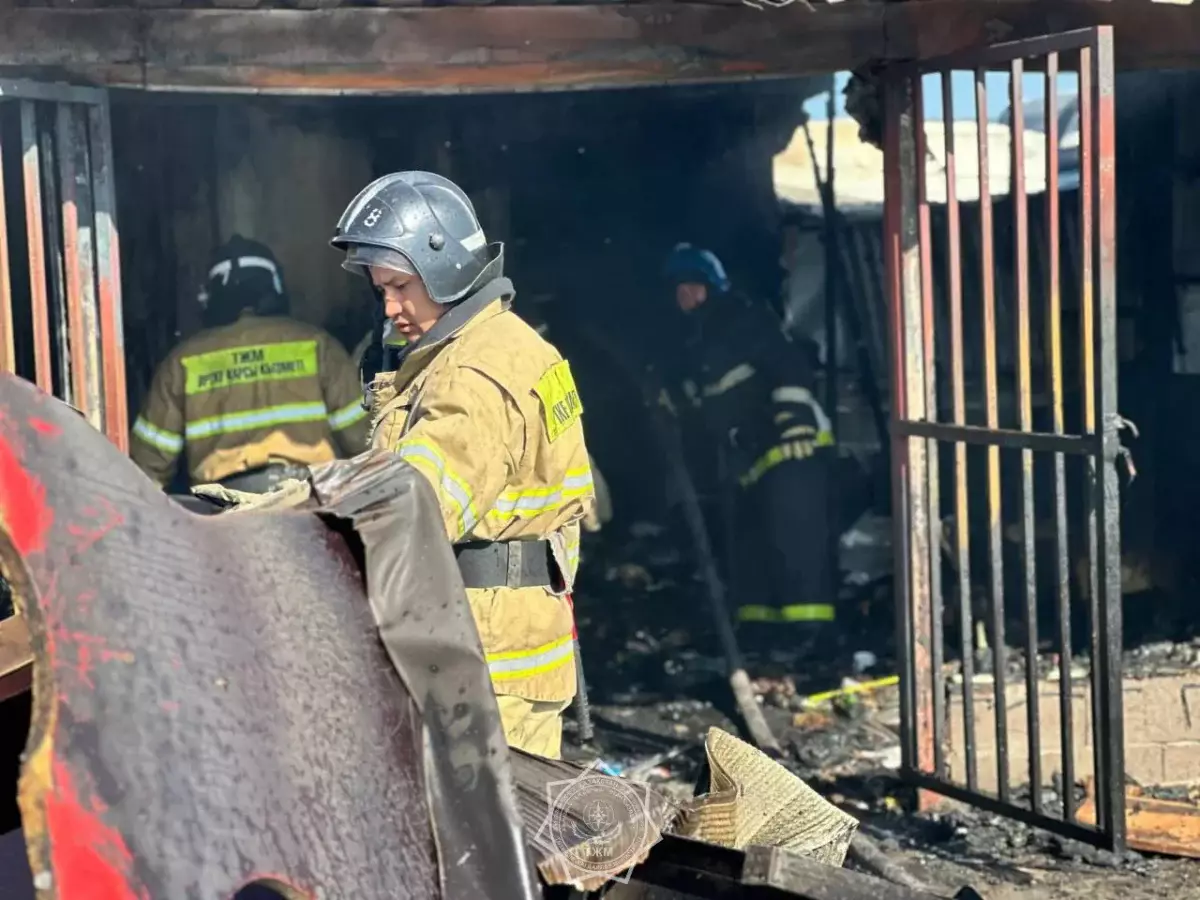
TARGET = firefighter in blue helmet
(753,390)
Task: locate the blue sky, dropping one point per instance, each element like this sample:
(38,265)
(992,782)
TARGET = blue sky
(963,84)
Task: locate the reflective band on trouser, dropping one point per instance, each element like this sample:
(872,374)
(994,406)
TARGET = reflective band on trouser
(347,416)
(159,438)
(231,423)
(783,452)
(515,664)
(796,612)
(533,501)
(425,456)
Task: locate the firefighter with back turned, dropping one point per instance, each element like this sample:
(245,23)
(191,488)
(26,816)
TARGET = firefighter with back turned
(255,397)
(489,413)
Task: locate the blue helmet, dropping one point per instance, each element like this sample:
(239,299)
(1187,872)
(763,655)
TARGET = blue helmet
(687,263)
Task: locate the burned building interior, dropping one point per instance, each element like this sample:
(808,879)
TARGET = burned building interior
(589,190)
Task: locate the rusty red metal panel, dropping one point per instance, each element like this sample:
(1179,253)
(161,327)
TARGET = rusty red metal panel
(212,703)
(79,261)
(31,173)
(108,278)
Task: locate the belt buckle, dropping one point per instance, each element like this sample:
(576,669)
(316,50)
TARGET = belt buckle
(516,555)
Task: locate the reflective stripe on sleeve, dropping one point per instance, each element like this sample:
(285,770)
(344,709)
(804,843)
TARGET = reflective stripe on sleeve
(795,612)
(347,416)
(159,438)
(790,393)
(533,501)
(729,380)
(527,663)
(426,456)
(231,423)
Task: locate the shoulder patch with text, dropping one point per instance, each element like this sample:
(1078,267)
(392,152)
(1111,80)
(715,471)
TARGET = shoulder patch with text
(561,405)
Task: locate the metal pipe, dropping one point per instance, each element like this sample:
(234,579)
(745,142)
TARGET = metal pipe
(31,171)
(1054,373)
(1107,488)
(928,621)
(987,276)
(962,523)
(1025,416)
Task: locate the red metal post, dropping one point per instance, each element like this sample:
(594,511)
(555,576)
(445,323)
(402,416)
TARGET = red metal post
(36,240)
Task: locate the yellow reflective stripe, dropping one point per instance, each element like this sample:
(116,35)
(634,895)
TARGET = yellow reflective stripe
(795,612)
(159,438)
(231,423)
(249,364)
(429,458)
(534,501)
(730,380)
(783,452)
(347,416)
(515,664)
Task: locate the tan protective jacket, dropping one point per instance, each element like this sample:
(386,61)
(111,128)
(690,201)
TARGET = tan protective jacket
(491,416)
(264,389)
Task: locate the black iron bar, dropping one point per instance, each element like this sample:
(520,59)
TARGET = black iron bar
(1054,373)
(1025,414)
(996,549)
(962,522)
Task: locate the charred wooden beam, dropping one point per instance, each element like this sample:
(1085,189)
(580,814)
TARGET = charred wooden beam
(1150,35)
(536,47)
(429,50)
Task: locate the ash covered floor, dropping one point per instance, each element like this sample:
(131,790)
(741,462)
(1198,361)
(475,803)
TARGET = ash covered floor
(657,683)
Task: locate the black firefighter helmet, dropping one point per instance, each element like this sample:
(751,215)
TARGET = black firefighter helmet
(243,275)
(422,223)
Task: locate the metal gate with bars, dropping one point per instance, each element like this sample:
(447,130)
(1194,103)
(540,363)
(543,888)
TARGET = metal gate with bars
(60,283)
(932,432)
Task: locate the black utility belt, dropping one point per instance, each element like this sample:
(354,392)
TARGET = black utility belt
(513,564)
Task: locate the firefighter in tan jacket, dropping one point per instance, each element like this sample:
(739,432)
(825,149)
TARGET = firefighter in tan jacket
(489,413)
(254,397)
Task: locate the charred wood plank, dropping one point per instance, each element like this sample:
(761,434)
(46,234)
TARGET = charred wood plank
(408,49)
(16,660)
(424,50)
(701,870)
